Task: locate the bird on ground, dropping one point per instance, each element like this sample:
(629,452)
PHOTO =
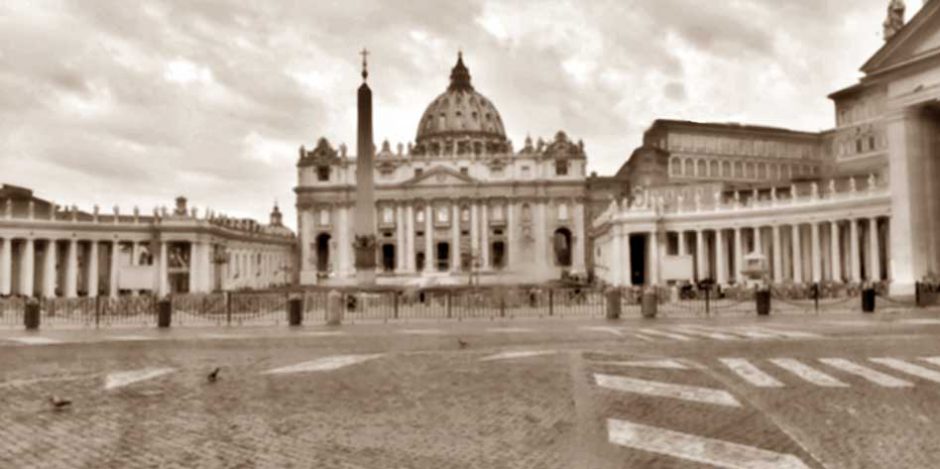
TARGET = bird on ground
(462,343)
(214,375)
(59,404)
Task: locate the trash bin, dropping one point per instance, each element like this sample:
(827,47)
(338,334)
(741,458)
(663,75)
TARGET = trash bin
(164,313)
(868,300)
(295,311)
(31,315)
(649,304)
(613,303)
(763,302)
(334,308)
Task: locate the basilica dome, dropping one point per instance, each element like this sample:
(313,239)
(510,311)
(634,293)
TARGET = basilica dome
(460,113)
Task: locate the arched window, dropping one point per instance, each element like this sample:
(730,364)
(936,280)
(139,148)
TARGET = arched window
(323,252)
(562,247)
(713,169)
(702,169)
(689,167)
(738,170)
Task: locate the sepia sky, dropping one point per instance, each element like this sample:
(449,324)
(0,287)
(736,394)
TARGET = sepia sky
(134,103)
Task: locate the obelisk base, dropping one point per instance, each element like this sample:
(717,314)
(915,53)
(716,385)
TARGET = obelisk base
(364,249)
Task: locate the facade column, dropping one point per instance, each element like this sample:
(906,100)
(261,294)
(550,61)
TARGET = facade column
(738,256)
(410,237)
(874,271)
(6,266)
(27,267)
(721,258)
(700,272)
(428,238)
(758,248)
(579,245)
(344,243)
(814,252)
(683,249)
(162,286)
(854,254)
(778,254)
(797,255)
(485,238)
(835,248)
(474,235)
(626,268)
(194,267)
(455,237)
(615,267)
(48,270)
(653,258)
(511,254)
(542,255)
(71,270)
(93,269)
(113,274)
(400,249)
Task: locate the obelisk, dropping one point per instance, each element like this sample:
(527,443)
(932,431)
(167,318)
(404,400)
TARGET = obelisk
(364,216)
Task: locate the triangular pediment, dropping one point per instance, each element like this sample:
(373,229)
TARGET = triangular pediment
(918,39)
(440,176)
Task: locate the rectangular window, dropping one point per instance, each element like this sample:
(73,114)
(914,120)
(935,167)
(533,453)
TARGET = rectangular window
(561,167)
(323,173)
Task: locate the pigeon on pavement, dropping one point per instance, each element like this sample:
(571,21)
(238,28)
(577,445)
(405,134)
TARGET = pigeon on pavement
(214,376)
(59,404)
(462,343)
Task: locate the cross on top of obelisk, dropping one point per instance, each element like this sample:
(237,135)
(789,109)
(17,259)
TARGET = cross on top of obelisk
(365,65)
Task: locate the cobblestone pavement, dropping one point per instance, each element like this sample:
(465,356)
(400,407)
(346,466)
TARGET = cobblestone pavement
(520,394)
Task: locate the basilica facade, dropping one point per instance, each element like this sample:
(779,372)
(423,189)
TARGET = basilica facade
(458,206)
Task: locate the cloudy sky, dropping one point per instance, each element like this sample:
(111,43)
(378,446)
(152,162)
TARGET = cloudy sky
(111,101)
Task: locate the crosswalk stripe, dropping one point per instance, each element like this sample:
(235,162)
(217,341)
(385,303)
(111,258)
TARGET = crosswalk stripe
(670,390)
(609,330)
(909,368)
(324,364)
(920,322)
(696,448)
(750,373)
(788,333)
(932,360)
(130,338)
(519,354)
(754,334)
(125,378)
(874,376)
(643,337)
(35,340)
(808,373)
(703,332)
(668,335)
(665,364)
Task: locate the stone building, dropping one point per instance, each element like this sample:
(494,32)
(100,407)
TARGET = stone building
(859,202)
(49,250)
(460,205)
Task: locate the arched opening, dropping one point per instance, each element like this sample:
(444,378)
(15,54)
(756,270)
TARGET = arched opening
(419,261)
(323,252)
(443,256)
(499,254)
(562,246)
(388,257)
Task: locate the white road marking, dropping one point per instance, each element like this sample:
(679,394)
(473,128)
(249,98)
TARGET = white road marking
(704,332)
(509,330)
(421,332)
(753,333)
(922,322)
(322,333)
(697,448)
(788,333)
(751,373)
(129,338)
(607,329)
(36,340)
(224,336)
(665,364)
(520,354)
(808,373)
(909,368)
(124,378)
(323,364)
(668,335)
(932,360)
(643,337)
(876,377)
(660,389)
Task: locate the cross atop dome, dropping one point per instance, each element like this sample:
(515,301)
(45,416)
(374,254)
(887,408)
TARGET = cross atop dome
(365,66)
(460,76)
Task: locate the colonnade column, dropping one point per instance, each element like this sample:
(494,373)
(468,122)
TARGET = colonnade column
(854,253)
(653,258)
(738,255)
(474,234)
(579,245)
(161,280)
(615,267)
(93,269)
(797,255)
(48,270)
(428,238)
(814,252)
(455,238)
(874,273)
(6,266)
(835,250)
(700,271)
(343,243)
(758,248)
(27,267)
(511,253)
(721,258)
(626,270)
(485,236)
(113,273)
(778,254)
(400,249)
(410,238)
(71,270)
(541,245)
